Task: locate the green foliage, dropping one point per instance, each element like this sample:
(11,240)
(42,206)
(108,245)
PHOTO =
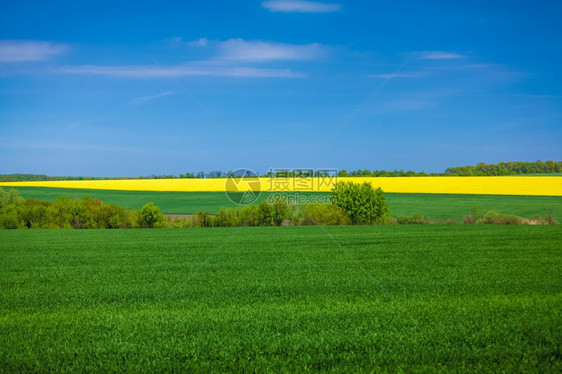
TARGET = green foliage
(440,207)
(67,212)
(414,219)
(36,214)
(249,216)
(437,206)
(226,218)
(325,214)
(266,214)
(43,177)
(202,219)
(543,220)
(150,216)
(503,168)
(11,197)
(363,204)
(383,173)
(281,210)
(507,168)
(179,222)
(458,299)
(10,218)
(495,218)
(296,214)
(475,215)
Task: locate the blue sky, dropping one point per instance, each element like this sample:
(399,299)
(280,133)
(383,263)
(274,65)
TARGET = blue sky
(129,89)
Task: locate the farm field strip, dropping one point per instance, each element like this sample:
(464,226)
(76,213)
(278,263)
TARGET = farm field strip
(505,185)
(463,299)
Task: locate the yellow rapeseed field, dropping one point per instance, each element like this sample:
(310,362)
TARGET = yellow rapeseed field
(509,185)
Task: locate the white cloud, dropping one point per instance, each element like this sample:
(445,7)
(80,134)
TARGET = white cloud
(202,42)
(226,59)
(145,99)
(399,75)
(178,41)
(242,50)
(152,71)
(439,55)
(29,50)
(300,6)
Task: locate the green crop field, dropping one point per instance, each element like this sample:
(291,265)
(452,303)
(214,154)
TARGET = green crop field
(460,298)
(436,206)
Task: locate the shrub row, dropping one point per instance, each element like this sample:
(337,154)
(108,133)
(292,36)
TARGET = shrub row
(354,204)
(495,218)
(69,213)
(266,214)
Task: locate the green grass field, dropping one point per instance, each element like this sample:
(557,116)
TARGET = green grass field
(459,298)
(436,206)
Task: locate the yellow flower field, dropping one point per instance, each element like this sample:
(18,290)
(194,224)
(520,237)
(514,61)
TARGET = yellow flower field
(509,185)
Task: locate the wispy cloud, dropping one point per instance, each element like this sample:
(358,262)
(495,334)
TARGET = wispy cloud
(439,55)
(243,50)
(300,6)
(418,74)
(29,50)
(150,71)
(145,99)
(226,58)
(178,41)
(202,42)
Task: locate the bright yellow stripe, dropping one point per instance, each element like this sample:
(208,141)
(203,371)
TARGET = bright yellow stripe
(511,185)
(545,186)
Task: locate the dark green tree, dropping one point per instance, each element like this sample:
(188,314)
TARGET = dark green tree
(266,214)
(150,216)
(362,203)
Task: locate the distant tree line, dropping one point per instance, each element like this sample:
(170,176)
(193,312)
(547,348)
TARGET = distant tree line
(481,169)
(507,168)
(384,173)
(43,177)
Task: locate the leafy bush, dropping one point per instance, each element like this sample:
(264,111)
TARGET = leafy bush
(495,218)
(35,214)
(11,197)
(248,216)
(363,204)
(415,219)
(296,214)
(325,214)
(150,216)
(468,220)
(201,219)
(266,214)
(225,218)
(66,212)
(281,210)
(10,218)
(179,222)
(543,220)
